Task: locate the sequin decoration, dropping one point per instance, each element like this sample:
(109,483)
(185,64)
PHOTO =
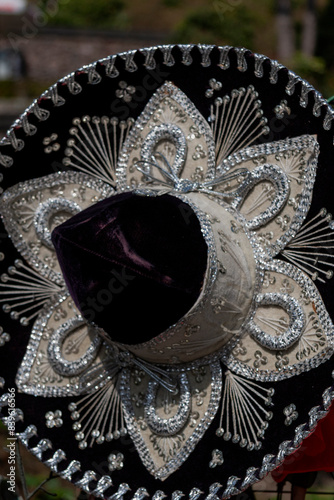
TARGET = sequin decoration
(53,208)
(56,346)
(266,189)
(115,461)
(214,86)
(173,425)
(27,206)
(282,109)
(311,344)
(291,334)
(290,414)
(217,459)
(54,419)
(125,91)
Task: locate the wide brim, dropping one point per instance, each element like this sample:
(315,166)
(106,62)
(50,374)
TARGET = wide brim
(26,153)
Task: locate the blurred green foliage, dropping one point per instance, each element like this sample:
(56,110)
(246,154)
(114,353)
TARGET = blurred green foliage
(313,69)
(53,489)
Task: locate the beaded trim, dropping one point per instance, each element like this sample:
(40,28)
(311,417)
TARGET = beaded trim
(233,486)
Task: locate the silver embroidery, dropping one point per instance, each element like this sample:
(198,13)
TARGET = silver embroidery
(125,91)
(102,485)
(290,414)
(54,419)
(172,134)
(55,460)
(62,365)
(312,248)
(26,197)
(244,417)
(323,339)
(217,459)
(41,447)
(173,425)
(47,211)
(282,109)
(214,86)
(291,334)
(94,147)
(115,461)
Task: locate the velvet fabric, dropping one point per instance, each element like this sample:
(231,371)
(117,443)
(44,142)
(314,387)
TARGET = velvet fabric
(133,264)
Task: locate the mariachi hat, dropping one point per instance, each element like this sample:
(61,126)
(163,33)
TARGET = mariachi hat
(166,272)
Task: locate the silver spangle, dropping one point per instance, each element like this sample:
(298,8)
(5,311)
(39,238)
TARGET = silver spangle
(73,467)
(195,494)
(290,414)
(41,447)
(217,459)
(16,414)
(197,434)
(258,69)
(159,495)
(46,211)
(103,484)
(140,494)
(122,490)
(83,483)
(293,332)
(280,181)
(115,461)
(176,495)
(150,62)
(250,478)
(128,57)
(53,419)
(55,460)
(171,133)
(214,491)
(173,425)
(30,432)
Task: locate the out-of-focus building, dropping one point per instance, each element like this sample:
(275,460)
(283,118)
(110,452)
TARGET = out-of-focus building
(34,55)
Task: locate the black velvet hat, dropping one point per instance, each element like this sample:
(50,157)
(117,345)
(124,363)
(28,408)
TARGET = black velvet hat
(166,276)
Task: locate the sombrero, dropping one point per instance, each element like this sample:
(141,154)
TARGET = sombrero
(166,272)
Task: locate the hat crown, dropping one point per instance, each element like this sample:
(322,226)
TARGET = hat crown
(154,271)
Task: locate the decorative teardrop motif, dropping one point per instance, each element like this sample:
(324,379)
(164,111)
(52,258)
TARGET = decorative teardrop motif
(166,436)
(294,330)
(173,425)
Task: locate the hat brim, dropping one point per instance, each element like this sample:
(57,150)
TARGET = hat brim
(36,147)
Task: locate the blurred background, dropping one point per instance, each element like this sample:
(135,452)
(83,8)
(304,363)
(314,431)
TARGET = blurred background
(43,40)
